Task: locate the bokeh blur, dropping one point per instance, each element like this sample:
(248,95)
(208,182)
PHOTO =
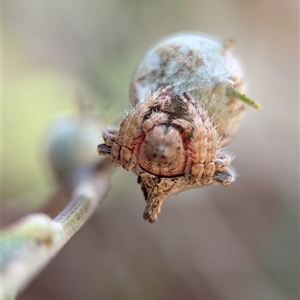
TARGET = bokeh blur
(214,243)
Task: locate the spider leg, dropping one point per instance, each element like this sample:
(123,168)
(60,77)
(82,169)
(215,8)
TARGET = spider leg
(223,161)
(156,118)
(123,148)
(109,136)
(105,150)
(187,132)
(210,156)
(197,145)
(200,166)
(224,177)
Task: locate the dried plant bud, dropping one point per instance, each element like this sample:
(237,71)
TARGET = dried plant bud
(201,67)
(188,100)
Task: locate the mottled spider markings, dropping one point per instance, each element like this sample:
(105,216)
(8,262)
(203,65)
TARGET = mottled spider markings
(168,152)
(173,138)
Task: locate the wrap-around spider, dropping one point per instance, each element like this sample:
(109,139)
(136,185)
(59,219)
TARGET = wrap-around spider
(171,144)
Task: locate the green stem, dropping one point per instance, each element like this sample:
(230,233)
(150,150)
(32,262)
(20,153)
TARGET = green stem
(236,94)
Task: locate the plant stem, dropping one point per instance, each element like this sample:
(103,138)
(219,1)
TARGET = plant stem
(30,244)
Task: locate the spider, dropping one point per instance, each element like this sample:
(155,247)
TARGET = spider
(171,143)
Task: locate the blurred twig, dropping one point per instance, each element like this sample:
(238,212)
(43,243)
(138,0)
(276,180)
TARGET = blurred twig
(30,244)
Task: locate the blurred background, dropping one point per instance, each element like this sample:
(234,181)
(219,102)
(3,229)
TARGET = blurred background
(239,242)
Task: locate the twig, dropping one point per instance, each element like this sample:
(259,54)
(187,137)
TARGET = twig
(30,244)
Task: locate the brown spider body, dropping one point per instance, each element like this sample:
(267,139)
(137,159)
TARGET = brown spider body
(186,107)
(170,143)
